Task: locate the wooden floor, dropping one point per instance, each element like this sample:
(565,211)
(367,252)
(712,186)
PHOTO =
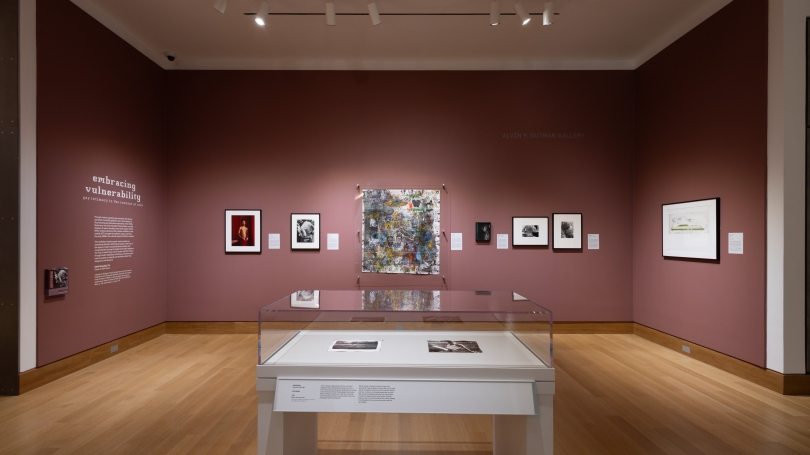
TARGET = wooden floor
(194,394)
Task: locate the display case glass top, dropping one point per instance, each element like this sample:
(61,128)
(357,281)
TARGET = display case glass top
(487,330)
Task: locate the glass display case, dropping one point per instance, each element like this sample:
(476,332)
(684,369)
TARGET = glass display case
(407,351)
(505,330)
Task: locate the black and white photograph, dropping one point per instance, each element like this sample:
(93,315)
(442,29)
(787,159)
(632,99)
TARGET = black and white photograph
(483,232)
(691,229)
(356,345)
(243,231)
(454,346)
(529,230)
(305,299)
(56,281)
(306,231)
(567,231)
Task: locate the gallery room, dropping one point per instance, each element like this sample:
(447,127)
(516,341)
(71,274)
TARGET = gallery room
(411,227)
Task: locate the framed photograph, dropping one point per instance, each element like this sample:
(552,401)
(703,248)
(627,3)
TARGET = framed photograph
(529,230)
(243,231)
(483,232)
(567,232)
(306,231)
(56,281)
(305,299)
(691,229)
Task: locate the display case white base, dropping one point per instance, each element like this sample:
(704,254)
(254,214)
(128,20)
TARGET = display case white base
(296,433)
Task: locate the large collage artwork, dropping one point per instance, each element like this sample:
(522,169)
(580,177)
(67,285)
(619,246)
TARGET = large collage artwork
(401,231)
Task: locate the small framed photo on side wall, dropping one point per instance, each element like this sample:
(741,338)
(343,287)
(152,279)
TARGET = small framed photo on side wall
(305,231)
(529,231)
(243,231)
(483,232)
(567,232)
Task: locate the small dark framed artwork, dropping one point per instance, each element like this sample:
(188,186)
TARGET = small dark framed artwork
(483,232)
(56,281)
(691,229)
(243,231)
(567,231)
(305,233)
(529,230)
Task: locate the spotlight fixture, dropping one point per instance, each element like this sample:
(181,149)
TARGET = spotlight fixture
(220,5)
(494,14)
(374,13)
(522,14)
(264,9)
(548,14)
(330,14)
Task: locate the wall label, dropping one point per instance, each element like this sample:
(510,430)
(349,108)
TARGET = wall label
(317,395)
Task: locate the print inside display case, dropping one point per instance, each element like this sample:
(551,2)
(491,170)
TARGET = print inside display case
(407,351)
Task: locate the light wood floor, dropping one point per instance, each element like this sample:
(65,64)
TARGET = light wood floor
(194,394)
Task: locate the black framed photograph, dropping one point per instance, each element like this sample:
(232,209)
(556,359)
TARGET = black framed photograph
(305,231)
(691,229)
(529,230)
(483,232)
(567,231)
(243,231)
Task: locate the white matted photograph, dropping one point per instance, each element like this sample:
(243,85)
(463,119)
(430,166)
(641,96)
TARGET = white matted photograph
(356,345)
(691,229)
(567,231)
(243,231)
(305,231)
(305,299)
(449,346)
(529,230)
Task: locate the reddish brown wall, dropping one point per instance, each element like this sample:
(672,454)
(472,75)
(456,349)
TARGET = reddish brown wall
(701,133)
(300,141)
(100,111)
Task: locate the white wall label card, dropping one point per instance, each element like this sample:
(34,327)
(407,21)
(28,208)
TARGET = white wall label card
(593,241)
(445,397)
(332,241)
(735,243)
(503,241)
(273,241)
(455,241)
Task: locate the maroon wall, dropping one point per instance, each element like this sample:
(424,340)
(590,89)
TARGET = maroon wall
(301,141)
(701,118)
(100,112)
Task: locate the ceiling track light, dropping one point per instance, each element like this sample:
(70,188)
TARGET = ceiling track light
(548,14)
(264,9)
(522,14)
(220,5)
(494,14)
(374,14)
(330,14)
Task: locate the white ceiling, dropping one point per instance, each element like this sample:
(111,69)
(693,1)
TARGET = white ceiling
(587,34)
